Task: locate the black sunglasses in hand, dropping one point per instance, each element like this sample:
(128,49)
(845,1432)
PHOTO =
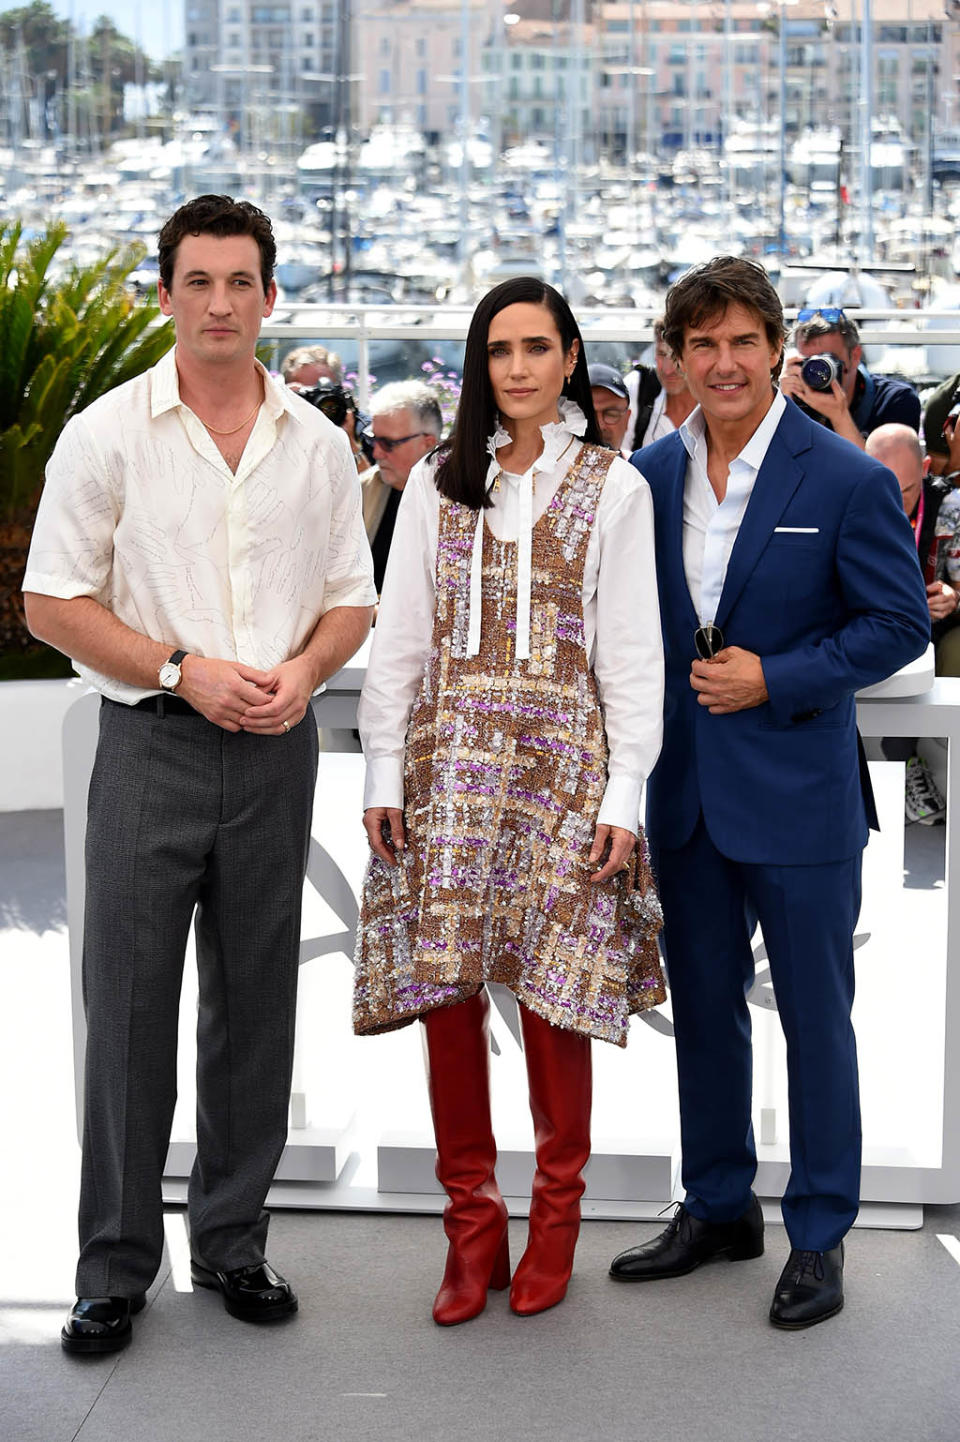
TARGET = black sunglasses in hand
(708,640)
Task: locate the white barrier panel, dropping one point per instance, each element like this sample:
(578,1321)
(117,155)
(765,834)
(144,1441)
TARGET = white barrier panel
(361,1135)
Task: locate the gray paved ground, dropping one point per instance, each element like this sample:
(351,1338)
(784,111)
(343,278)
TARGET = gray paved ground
(363,1362)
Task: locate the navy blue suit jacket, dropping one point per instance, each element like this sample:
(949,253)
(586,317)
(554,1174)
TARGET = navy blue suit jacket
(835,604)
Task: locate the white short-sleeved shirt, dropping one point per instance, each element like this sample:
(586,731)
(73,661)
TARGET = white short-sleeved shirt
(659,424)
(141,512)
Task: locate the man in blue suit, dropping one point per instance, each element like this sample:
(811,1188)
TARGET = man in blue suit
(787,570)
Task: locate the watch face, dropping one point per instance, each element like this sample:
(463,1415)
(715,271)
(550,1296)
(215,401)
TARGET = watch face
(169,675)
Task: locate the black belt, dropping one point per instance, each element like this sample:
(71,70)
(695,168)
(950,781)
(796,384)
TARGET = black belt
(162,704)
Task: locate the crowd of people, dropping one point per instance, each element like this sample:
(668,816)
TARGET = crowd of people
(674,579)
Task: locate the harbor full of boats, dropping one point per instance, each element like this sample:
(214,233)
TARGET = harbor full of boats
(395,225)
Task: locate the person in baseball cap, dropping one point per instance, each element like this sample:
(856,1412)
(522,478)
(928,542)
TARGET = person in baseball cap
(611,401)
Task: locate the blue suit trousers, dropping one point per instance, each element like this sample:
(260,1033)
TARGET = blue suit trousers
(807,915)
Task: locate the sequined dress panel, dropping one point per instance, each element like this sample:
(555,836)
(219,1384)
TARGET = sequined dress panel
(506,767)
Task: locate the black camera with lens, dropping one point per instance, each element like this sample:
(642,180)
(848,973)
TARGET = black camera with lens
(335,403)
(820,371)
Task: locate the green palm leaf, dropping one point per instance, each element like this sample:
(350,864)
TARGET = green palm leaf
(9,243)
(65,342)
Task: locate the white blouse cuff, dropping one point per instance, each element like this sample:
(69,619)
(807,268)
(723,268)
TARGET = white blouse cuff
(621,803)
(383,784)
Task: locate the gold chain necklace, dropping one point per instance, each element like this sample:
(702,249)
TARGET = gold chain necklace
(496,480)
(246,421)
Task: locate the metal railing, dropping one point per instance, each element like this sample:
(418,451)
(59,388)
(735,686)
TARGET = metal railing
(363,325)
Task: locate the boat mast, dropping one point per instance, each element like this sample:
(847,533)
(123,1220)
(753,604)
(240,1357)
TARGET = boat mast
(866,129)
(463,242)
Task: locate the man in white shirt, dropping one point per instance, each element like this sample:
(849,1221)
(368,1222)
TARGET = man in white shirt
(199,552)
(786,565)
(659,399)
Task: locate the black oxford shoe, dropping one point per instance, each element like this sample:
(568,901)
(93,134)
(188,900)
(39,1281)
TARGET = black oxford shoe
(100,1324)
(254,1294)
(687,1242)
(810,1289)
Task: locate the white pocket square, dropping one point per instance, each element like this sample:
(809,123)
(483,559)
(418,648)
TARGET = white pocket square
(796,530)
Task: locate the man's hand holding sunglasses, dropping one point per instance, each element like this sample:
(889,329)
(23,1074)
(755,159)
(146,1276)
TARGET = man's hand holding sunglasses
(730,680)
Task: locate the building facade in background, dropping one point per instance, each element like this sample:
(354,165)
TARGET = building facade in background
(599,76)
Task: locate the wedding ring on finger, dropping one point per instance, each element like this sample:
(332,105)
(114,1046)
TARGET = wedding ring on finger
(285,725)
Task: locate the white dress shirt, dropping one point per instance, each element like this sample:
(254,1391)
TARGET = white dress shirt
(141,512)
(710,527)
(620,612)
(659,423)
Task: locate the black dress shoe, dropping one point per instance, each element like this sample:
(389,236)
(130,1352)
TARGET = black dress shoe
(810,1289)
(100,1324)
(687,1242)
(254,1294)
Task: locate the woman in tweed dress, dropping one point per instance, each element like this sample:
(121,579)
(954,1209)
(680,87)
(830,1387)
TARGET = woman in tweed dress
(511,713)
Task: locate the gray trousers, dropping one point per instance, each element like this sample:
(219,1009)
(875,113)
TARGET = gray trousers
(187,819)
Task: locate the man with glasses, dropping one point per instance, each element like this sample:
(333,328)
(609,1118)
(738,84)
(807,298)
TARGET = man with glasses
(856,401)
(611,401)
(405,423)
(788,579)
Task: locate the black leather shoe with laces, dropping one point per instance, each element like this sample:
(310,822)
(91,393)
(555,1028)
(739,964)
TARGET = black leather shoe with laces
(687,1242)
(254,1294)
(810,1289)
(100,1324)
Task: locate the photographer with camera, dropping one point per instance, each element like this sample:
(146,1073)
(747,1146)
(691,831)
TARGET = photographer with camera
(339,406)
(317,374)
(828,379)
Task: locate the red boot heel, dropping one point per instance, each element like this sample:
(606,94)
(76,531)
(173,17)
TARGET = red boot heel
(463,1291)
(500,1276)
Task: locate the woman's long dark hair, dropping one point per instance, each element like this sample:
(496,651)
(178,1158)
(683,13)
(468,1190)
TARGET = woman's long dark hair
(462,458)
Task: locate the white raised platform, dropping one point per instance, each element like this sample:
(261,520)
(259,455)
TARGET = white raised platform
(363,1136)
(31,723)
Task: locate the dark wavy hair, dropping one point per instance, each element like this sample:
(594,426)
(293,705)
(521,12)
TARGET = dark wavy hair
(705,292)
(218,215)
(462,458)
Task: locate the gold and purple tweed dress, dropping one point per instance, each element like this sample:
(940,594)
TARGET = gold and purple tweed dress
(506,767)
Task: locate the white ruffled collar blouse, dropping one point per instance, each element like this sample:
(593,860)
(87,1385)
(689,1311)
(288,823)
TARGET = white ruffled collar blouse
(557,438)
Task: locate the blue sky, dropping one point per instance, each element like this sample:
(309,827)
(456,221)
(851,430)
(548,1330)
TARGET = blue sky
(158,26)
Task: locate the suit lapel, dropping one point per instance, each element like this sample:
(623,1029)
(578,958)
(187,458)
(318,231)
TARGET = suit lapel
(778,478)
(672,494)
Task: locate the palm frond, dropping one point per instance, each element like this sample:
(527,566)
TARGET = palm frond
(16,324)
(65,341)
(10,234)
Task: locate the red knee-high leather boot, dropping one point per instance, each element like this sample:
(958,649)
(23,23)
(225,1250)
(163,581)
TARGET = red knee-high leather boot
(475,1217)
(560,1077)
